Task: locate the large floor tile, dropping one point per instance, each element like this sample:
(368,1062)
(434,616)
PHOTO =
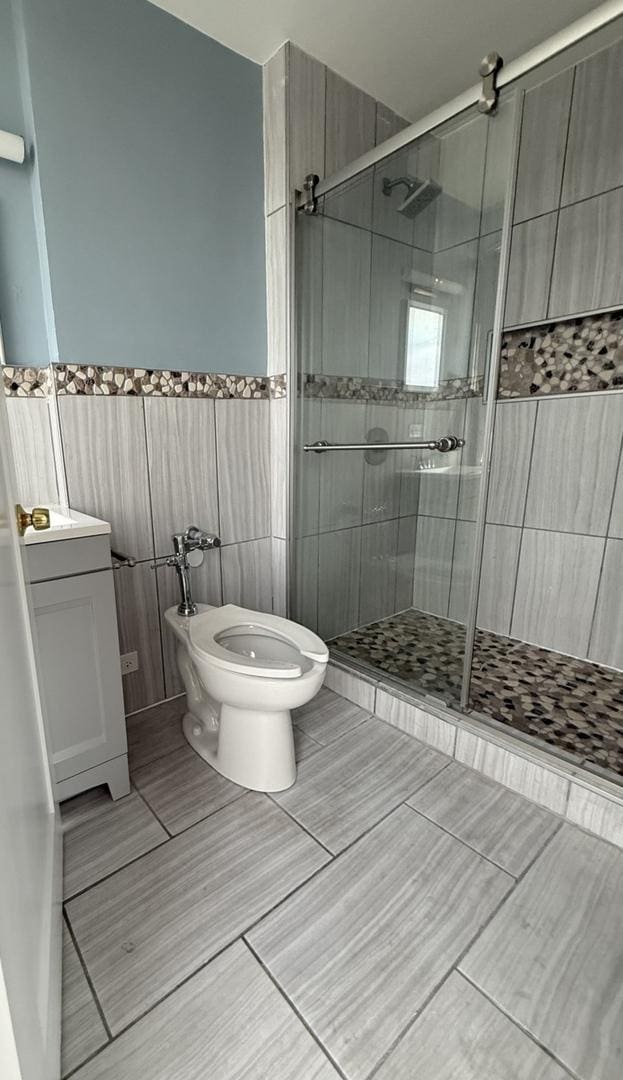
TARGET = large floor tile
(155,732)
(100,836)
(501,825)
(552,957)
(83,1031)
(144,930)
(228,1022)
(350,785)
(327,716)
(182,788)
(462,1036)
(359,949)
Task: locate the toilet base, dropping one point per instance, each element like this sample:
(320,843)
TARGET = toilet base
(251,748)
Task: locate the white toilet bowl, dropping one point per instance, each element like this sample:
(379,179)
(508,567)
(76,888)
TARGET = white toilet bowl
(243,672)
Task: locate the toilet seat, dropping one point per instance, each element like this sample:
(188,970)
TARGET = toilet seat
(231,622)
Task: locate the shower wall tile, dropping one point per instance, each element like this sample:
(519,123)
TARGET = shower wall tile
(351,123)
(33,450)
(461,570)
(530,270)
(439,482)
(497,167)
(460,173)
(139,630)
(278,466)
(542,146)
(594,161)
(341,474)
(183,483)
(573,465)
(306,138)
(388,123)
(510,463)
(305,601)
(377,589)
(616,521)
(105,455)
(390,290)
(550,610)
(274,92)
(500,559)
(206,586)
(606,645)
(456,269)
(346,299)
(381,481)
(434,545)
(309,467)
(471,477)
(243,442)
(279,576)
(405,562)
(352,202)
(385,217)
(309,271)
(588,265)
(276,290)
(339,558)
(247,576)
(484,302)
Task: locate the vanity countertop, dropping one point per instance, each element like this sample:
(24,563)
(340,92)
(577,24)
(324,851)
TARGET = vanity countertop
(67,524)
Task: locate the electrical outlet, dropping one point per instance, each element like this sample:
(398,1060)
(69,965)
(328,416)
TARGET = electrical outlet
(129,662)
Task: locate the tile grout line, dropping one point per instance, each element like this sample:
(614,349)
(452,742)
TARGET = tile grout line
(460,840)
(151,810)
(87,975)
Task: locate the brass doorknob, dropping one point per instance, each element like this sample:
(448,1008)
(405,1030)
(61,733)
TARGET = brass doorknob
(39,518)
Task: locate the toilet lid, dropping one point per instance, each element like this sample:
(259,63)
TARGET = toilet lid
(254,643)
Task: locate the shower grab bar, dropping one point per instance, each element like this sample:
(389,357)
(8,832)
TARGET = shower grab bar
(443,445)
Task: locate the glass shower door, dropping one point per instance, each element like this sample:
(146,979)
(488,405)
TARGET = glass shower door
(396,280)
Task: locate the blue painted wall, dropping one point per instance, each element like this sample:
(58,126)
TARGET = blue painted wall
(22,312)
(149,144)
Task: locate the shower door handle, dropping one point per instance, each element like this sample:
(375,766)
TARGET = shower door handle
(443,445)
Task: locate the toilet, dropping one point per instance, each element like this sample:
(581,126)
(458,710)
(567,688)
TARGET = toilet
(243,672)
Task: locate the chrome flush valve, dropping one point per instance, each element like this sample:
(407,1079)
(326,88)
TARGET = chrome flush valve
(184,544)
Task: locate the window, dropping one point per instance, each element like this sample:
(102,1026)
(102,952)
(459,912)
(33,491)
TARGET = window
(424,344)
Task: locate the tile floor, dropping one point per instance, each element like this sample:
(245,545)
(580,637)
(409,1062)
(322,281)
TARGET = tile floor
(394,914)
(571,704)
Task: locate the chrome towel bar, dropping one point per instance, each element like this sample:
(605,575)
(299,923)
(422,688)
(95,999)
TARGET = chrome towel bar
(443,445)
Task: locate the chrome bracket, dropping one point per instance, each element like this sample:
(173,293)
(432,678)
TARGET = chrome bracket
(488,71)
(310,202)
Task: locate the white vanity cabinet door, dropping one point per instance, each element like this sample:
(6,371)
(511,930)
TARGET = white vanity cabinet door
(78,660)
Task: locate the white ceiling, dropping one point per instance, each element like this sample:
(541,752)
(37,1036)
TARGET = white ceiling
(411,54)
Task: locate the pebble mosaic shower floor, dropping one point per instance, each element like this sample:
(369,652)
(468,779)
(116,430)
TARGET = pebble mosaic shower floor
(571,704)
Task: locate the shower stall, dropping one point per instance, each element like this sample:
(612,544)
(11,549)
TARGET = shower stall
(457,413)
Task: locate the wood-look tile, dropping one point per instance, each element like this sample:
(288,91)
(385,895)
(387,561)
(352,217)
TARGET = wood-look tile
(155,922)
(274,84)
(206,587)
(377,589)
(527,778)
(304,595)
(346,298)
(229,1021)
(279,467)
(471,477)
(386,220)
(351,202)
(182,788)
(439,491)
(139,631)
(462,570)
(276,290)
(560,934)
(496,822)
(113,429)
(328,716)
(339,559)
(182,493)
(358,949)
(549,609)
(434,545)
(462,1036)
(347,787)
(500,559)
(594,159)
(351,123)
(510,461)
(489,249)
(100,836)
(350,687)
(588,267)
(247,576)
(542,146)
(381,480)
(405,562)
(498,163)
(243,440)
(33,450)
(459,265)
(530,270)
(424,726)
(279,576)
(615,527)
(606,645)
(597,813)
(82,1030)
(390,290)
(306,90)
(569,445)
(341,482)
(155,732)
(303,744)
(462,146)
(388,123)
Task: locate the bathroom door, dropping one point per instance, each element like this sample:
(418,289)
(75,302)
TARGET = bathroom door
(30,840)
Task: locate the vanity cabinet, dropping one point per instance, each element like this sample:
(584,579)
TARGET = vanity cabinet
(75,621)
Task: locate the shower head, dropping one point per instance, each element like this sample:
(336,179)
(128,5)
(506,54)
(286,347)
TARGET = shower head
(420,193)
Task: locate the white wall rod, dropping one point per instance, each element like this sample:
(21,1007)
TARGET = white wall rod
(577,30)
(12,147)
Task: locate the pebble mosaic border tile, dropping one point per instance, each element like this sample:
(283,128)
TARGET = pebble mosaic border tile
(574,356)
(86,380)
(355,388)
(571,704)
